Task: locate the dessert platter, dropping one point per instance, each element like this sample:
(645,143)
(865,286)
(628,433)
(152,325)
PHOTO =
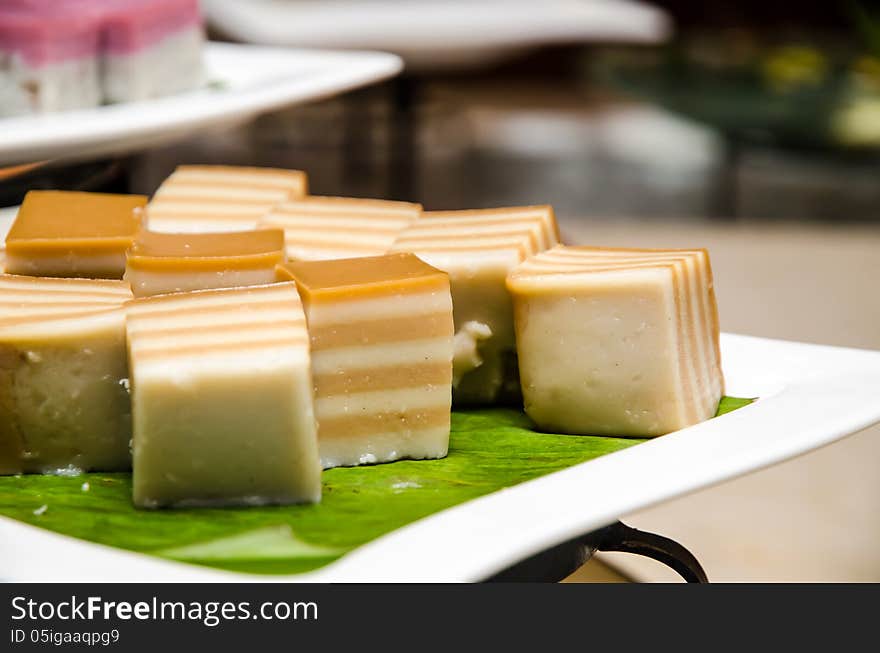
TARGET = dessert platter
(80,78)
(235,379)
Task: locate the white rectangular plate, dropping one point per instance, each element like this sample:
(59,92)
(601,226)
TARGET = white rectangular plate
(810,395)
(242,82)
(438,33)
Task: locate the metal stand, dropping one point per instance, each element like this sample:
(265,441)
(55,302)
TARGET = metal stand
(555,564)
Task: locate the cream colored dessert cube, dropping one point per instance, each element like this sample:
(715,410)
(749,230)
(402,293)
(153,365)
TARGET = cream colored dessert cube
(321,228)
(617,342)
(381,338)
(478,249)
(159,263)
(203,198)
(64,405)
(222,399)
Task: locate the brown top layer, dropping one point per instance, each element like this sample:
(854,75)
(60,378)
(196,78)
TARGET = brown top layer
(349,278)
(50,215)
(152,249)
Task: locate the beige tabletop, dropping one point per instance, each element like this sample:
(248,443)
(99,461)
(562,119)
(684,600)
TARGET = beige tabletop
(814,518)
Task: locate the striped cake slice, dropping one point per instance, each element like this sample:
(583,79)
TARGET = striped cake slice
(201,198)
(222,398)
(322,228)
(63,391)
(632,335)
(381,336)
(477,249)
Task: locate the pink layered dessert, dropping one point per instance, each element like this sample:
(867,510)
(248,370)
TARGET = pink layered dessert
(64,54)
(49,60)
(150,48)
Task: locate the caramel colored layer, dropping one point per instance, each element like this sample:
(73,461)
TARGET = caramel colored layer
(69,214)
(365,425)
(381,331)
(382,378)
(243,250)
(361,277)
(49,220)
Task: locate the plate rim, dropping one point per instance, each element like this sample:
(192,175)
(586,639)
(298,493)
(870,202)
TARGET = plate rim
(57,136)
(836,382)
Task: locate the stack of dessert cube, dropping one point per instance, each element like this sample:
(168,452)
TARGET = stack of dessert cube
(57,55)
(232,336)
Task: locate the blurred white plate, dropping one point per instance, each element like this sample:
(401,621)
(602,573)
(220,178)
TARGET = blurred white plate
(437,33)
(810,396)
(242,82)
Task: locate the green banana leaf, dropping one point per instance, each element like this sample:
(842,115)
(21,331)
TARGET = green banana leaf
(489,450)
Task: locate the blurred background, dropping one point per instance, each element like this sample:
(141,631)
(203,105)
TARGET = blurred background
(751,128)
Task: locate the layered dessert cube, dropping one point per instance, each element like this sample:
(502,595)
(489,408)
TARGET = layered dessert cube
(221,394)
(73,234)
(68,54)
(322,228)
(203,198)
(150,48)
(64,404)
(617,342)
(159,263)
(478,249)
(381,337)
(49,59)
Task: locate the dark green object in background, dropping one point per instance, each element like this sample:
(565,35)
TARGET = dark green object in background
(489,450)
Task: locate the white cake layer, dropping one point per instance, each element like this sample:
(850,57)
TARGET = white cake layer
(419,444)
(61,86)
(154,282)
(172,65)
(222,398)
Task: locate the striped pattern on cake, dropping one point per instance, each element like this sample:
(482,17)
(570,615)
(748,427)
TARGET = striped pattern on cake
(694,295)
(39,301)
(382,372)
(221,198)
(477,249)
(249,325)
(322,228)
(63,398)
(381,341)
(222,404)
(541,218)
